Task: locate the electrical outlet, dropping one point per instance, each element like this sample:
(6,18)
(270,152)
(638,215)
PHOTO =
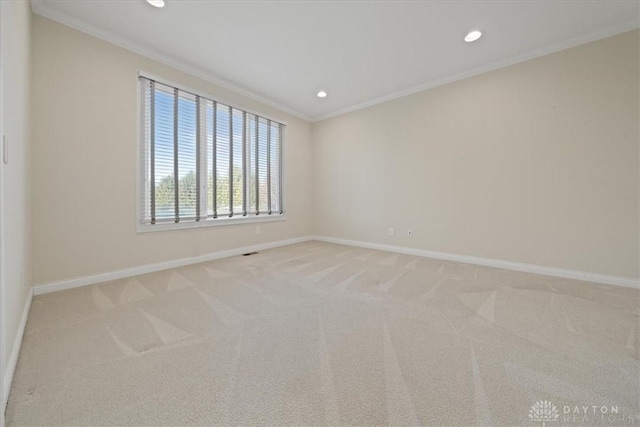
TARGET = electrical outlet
(410,234)
(391,232)
(258,231)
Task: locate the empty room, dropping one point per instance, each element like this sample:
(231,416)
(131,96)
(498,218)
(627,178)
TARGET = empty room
(328,213)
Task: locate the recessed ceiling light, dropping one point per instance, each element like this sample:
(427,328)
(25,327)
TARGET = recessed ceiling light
(471,37)
(156,3)
(322,94)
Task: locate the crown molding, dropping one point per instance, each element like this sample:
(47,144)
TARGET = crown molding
(522,57)
(41,8)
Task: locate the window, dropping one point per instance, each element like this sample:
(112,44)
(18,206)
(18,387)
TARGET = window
(204,161)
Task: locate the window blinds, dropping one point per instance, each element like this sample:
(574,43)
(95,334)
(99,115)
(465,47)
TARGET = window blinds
(204,160)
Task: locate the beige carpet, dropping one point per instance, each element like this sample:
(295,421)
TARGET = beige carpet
(323,334)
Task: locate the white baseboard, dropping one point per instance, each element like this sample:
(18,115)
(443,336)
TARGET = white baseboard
(507,265)
(15,351)
(60,285)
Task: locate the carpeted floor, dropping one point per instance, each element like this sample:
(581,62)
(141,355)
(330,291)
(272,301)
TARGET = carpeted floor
(324,334)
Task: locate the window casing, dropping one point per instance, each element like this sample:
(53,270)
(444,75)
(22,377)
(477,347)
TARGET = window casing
(226,162)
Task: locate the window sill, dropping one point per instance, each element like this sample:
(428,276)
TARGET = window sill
(150,228)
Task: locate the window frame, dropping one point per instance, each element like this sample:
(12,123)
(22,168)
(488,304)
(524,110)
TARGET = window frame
(141,226)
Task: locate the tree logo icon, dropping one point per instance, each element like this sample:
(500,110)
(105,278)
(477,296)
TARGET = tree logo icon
(543,411)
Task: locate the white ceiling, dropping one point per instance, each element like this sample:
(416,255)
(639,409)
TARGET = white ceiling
(360,52)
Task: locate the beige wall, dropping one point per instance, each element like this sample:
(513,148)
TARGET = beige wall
(16,200)
(84,162)
(534,163)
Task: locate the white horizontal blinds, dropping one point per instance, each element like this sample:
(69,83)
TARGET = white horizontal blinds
(201,161)
(281,170)
(164,156)
(187,158)
(202,150)
(205,160)
(147,150)
(269,166)
(223,160)
(274,168)
(245,165)
(263,201)
(252,172)
(209,154)
(237,172)
(176,191)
